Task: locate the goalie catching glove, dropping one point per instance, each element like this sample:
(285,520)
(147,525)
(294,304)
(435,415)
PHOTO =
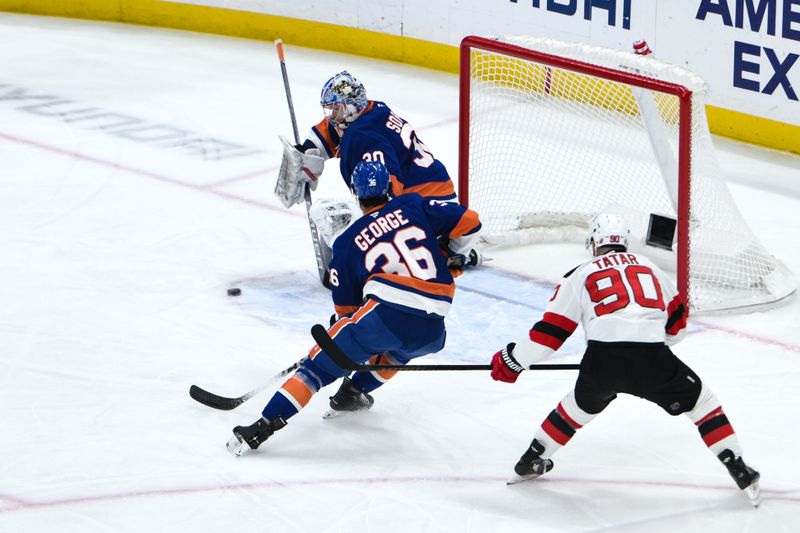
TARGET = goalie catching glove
(504,366)
(297,169)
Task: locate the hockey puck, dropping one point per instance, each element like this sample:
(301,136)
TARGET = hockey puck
(234,291)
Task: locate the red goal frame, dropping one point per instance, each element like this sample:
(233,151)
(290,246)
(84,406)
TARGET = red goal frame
(683,94)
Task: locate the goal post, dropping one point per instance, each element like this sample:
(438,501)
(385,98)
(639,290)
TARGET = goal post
(552,133)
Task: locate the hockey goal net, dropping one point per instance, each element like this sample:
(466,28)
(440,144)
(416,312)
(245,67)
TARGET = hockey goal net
(552,133)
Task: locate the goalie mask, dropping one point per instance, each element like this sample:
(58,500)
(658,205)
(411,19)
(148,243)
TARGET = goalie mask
(370,179)
(608,230)
(343,98)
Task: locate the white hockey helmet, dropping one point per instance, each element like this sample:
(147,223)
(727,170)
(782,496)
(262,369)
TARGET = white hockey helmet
(608,230)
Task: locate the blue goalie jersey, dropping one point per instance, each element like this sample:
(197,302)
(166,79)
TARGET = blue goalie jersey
(380,135)
(392,255)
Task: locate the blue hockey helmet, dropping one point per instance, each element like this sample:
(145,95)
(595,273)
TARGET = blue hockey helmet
(343,98)
(370,179)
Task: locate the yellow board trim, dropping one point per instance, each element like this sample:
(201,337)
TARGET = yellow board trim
(754,130)
(249,25)
(733,124)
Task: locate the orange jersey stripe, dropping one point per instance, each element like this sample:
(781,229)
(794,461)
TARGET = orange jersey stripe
(469,221)
(342,322)
(342,310)
(384,374)
(397,187)
(430,189)
(322,129)
(297,388)
(438,289)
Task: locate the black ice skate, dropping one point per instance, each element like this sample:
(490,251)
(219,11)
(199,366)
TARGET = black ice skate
(348,399)
(531,465)
(745,477)
(253,435)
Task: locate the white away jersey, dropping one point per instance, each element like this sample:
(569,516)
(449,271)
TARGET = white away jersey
(617,297)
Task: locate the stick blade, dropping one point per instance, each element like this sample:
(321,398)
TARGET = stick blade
(212,400)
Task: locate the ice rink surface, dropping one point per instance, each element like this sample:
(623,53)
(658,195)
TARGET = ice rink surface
(137,168)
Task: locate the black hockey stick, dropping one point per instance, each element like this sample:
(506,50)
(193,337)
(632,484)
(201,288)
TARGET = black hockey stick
(321,252)
(226,404)
(338,356)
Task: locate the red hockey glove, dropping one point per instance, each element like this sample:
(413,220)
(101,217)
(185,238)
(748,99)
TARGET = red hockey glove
(504,366)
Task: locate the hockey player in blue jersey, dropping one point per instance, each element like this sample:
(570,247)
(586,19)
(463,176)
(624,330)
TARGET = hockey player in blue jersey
(358,129)
(391,288)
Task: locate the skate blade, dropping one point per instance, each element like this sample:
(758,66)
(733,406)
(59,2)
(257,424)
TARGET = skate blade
(519,479)
(235,446)
(331,413)
(753,492)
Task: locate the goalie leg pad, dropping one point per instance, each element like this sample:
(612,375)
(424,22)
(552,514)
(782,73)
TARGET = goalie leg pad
(332,217)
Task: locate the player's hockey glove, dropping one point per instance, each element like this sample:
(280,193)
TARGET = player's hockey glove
(455,261)
(504,366)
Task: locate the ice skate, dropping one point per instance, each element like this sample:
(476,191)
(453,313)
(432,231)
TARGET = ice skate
(348,399)
(531,465)
(476,258)
(745,477)
(253,435)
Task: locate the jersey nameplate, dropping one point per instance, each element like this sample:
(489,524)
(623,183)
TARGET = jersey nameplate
(615,260)
(380,226)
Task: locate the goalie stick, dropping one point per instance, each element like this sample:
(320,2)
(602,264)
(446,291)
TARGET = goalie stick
(226,404)
(341,359)
(321,253)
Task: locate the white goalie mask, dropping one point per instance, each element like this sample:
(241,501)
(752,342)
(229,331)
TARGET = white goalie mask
(608,230)
(343,98)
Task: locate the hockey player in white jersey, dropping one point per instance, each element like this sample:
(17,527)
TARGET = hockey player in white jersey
(631,313)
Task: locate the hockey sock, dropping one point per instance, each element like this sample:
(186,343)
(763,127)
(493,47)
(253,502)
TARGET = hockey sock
(561,424)
(713,425)
(294,394)
(369,381)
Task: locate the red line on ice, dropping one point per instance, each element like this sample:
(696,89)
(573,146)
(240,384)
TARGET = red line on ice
(750,336)
(145,173)
(241,178)
(20,505)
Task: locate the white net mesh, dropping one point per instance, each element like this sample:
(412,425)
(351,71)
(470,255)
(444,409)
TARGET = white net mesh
(550,148)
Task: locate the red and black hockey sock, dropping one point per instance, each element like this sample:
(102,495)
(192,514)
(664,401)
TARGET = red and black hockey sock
(713,425)
(717,432)
(559,426)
